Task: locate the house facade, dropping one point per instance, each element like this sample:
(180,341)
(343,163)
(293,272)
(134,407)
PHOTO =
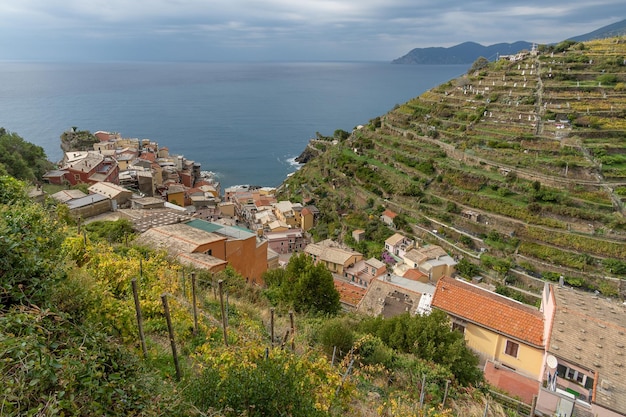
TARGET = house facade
(387,217)
(509,337)
(398,244)
(288,241)
(364,271)
(89,168)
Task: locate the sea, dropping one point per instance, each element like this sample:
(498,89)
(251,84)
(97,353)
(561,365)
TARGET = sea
(245,122)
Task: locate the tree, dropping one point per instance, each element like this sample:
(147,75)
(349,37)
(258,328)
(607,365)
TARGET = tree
(467,269)
(479,64)
(429,338)
(22,159)
(304,286)
(30,244)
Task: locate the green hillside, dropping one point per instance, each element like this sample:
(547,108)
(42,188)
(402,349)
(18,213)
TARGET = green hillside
(519,167)
(70,342)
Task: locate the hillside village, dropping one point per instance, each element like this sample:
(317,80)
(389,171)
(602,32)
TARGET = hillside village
(566,355)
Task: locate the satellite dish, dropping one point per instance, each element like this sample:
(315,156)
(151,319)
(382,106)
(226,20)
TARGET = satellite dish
(551,362)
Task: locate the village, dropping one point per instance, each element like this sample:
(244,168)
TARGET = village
(566,355)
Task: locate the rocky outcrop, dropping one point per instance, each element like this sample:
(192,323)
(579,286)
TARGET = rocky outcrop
(77,140)
(309,153)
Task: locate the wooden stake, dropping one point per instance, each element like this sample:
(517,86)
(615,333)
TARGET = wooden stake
(282,345)
(445,394)
(171,332)
(272,327)
(193,300)
(224,318)
(293,332)
(139,319)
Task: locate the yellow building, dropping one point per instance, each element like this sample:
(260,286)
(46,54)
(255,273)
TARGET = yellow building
(508,336)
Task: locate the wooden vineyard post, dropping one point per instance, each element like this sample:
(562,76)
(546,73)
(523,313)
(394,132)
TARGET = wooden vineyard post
(171,332)
(293,332)
(139,319)
(193,300)
(224,318)
(272,327)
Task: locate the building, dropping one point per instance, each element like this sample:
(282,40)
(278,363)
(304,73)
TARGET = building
(64,196)
(585,373)
(308,217)
(432,260)
(398,244)
(364,271)
(89,206)
(288,241)
(358,235)
(335,257)
(243,250)
(389,295)
(88,168)
(289,213)
(188,245)
(509,337)
(387,217)
(120,196)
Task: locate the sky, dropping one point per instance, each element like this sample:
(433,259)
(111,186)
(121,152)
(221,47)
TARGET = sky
(281,30)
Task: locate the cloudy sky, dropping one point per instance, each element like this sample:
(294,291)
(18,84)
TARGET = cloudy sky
(235,30)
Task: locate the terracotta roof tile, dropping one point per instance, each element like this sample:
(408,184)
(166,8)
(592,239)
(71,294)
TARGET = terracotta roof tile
(349,293)
(489,310)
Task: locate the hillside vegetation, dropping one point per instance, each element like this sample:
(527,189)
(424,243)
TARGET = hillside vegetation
(519,167)
(70,340)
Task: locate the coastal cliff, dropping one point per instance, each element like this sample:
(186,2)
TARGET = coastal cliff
(311,151)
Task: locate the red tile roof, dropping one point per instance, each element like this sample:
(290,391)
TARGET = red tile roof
(489,310)
(349,293)
(389,213)
(415,275)
(148,156)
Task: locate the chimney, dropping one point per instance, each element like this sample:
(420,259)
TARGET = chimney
(561,281)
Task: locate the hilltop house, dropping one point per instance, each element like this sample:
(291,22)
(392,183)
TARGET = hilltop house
(387,218)
(509,337)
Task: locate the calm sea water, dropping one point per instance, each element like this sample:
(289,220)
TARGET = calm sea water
(244,121)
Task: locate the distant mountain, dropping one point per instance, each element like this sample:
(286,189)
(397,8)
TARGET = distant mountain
(464,53)
(467,52)
(609,31)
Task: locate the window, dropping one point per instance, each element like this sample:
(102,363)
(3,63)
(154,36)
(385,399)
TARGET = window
(209,252)
(511,348)
(458,327)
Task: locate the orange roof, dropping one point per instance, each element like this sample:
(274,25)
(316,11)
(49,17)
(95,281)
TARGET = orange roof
(389,213)
(348,293)
(489,310)
(415,275)
(148,156)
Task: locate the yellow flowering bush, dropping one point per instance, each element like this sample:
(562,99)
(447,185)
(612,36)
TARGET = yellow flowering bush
(250,379)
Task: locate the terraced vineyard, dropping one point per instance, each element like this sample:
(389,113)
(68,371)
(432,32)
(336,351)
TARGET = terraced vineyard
(523,160)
